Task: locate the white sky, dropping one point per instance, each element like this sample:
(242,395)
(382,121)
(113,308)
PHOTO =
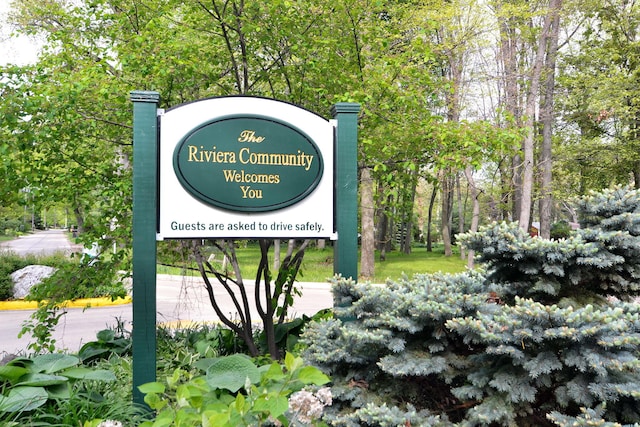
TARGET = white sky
(16,50)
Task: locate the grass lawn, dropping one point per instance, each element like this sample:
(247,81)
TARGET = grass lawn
(318,264)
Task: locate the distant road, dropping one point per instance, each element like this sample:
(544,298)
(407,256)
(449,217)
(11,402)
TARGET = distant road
(178,300)
(40,243)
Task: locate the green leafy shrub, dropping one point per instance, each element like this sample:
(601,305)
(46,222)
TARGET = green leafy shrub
(108,342)
(78,279)
(233,392)
(560,230)
(11,262)
(30,383)
(544,337)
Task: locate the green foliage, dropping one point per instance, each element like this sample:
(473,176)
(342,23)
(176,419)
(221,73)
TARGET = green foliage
(287,335)
(30,383)
(80,279)
(181,348)
(540,339)
(560,230)
(233,392)
(600,259)
(107,343)
(41,324)
(72,280)
(10,262)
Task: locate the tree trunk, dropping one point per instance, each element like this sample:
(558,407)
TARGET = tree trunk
(367,211)
(530,111)
(445,213)
(475,217)
(432,203)
(276,254)
(383,240)
(460,212)
(546,113)
(408,204)
(77,213)
(510,75)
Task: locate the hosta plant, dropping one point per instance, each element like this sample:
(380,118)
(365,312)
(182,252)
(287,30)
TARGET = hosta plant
(29,383)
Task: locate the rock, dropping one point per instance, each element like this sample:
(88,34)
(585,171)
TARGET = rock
(25,278)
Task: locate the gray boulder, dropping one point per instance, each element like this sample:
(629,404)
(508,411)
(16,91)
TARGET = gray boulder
(25,278)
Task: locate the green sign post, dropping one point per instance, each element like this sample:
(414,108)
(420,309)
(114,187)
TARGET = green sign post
(145,203)
(242,150)
(346,247)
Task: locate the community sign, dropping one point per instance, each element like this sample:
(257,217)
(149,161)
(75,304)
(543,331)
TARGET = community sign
(245,167)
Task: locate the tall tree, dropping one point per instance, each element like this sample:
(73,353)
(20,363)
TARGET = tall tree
(547,119)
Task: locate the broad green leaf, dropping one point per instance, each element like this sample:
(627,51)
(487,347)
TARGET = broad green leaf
(12,373)
(312,375)
(214,419)
(89,374)
(291,362)
(54,362)
(275,405)
(22,399)
(59,391)
(106,335)
(154,387)
(41,380)
(272,372)
(232,372)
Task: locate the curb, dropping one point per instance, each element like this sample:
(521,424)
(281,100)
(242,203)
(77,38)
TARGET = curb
(78,303)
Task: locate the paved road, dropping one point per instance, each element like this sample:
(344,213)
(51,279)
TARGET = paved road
(40,243)
(178,299)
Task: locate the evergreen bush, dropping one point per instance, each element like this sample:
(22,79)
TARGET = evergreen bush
(547,334)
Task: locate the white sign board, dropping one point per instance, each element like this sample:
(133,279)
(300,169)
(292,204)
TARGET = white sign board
(245,167)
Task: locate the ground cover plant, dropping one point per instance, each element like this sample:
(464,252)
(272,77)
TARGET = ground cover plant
(545,335)
(56,389)
(232,391)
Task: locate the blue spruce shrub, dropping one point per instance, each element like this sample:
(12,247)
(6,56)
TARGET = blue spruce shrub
(546,334)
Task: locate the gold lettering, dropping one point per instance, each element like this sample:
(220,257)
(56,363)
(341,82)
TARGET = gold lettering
(192,154)
(250,136)
(210,156)
(252,178)
(249,193)
(276,159)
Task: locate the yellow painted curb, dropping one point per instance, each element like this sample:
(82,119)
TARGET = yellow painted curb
(79,303)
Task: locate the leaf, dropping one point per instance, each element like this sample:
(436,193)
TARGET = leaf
(21,399)
(59,391)
(54,362)
(272,372)
(274,405)
(312,375)
(232,372)
(291,362)
(154,387)
(106,335)
(42,380)
(12,373)
(89,374)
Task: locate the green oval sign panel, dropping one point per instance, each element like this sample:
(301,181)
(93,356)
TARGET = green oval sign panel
(248,164)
